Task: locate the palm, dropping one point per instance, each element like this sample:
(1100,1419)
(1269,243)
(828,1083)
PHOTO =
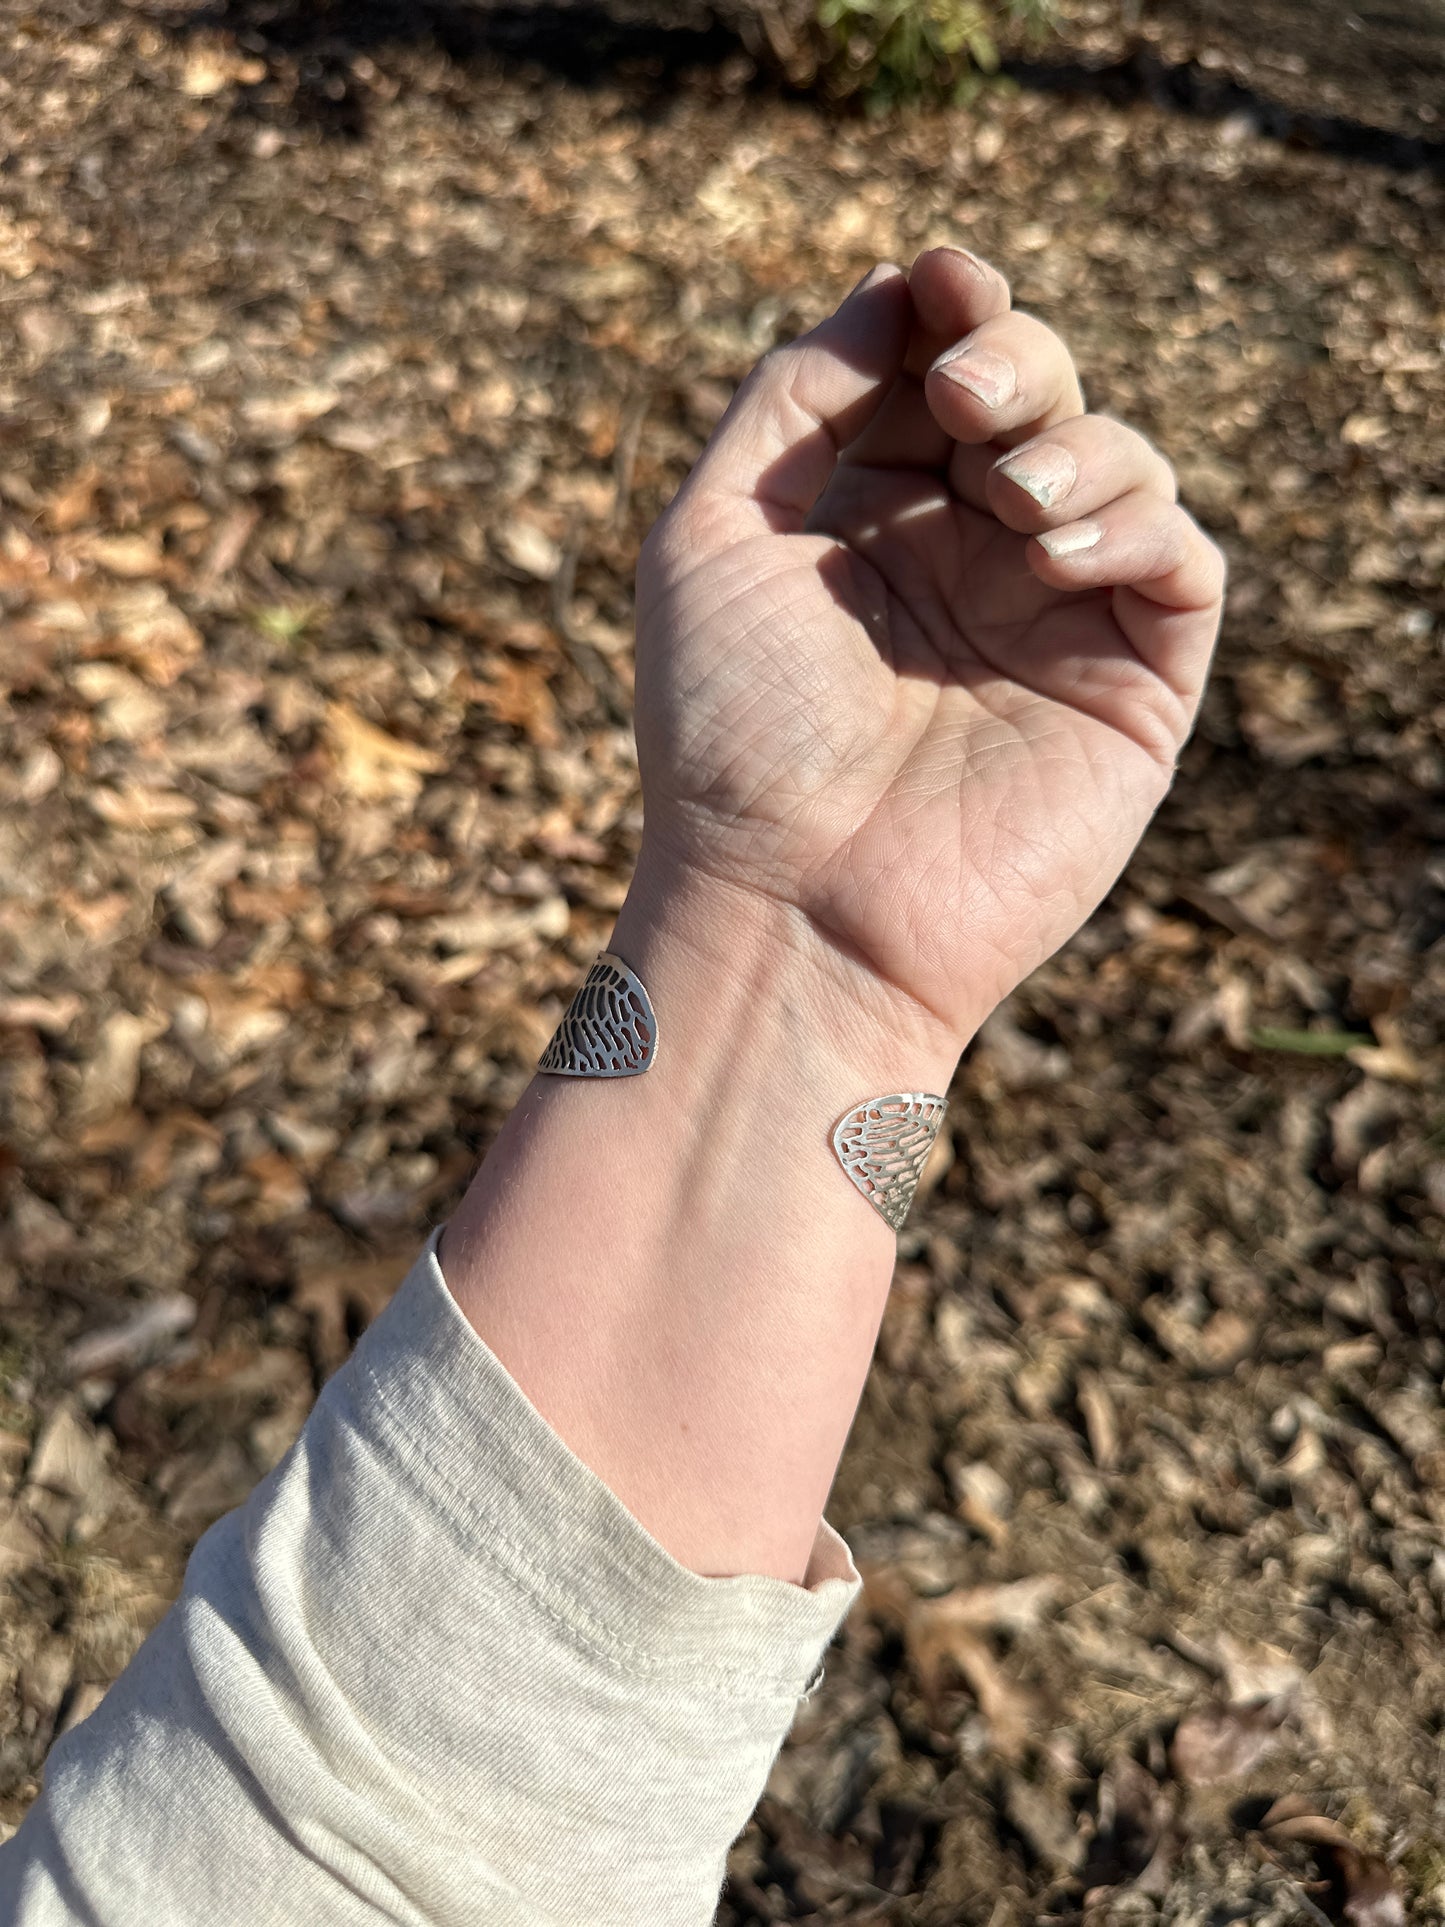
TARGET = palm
(882,716)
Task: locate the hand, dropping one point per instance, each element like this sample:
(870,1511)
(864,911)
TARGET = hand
(919,643)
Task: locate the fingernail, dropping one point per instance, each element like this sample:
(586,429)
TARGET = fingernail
(972,260)
(883,272)
(1071,541)
(989,378)
(1046,472)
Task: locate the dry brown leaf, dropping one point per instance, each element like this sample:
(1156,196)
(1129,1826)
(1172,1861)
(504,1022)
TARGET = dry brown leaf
(36,1231)
(1367,1894)
(127,710)
(53,1015)
(946,1632)
(144,1335)
(371,764)
(133,557)
(205,1484)
(21,1546)
(155,1161)
(235,1371)
(97,918)
(74,502)
(519,694)
(488,928)
(1012,1714)
(141,626)
(1364,1119)
(1224,1339)
(68,1489)
(281,1189)
(1044,1816)
(529,549)
(237,1020)
(138,808)
(1101,1419)
(1013,1059)
(108,1082)
(983,1498)
(205,73)
(1254,1672)
(228,544)
(1391,1059)
(1225,1742)
(334,1294)
(1138,1838)
(280,417)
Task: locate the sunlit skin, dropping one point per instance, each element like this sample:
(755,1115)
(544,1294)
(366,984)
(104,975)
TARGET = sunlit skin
(894,750)
(867,691)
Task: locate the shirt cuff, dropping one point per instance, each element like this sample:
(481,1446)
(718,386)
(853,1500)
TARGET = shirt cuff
(494,1466)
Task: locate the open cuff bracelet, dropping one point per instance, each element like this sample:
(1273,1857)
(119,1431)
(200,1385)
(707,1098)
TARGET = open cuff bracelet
(610,1030)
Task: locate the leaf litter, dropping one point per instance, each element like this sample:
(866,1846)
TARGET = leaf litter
(318,794)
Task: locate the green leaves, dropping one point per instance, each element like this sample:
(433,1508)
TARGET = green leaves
(903,50)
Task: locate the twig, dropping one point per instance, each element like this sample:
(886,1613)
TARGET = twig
(586,658)
(624,458)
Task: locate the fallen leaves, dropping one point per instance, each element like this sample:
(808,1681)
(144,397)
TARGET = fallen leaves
(519,694)
(141,626)
(277,419)
(1361,1888)
(141,807)
(944,1637)
(1137,1839)
(211,67)
(68,1488)
(529,548)
(315,659)
(134,1341)
(109,1079)
(340,1298)
(1217,1743)
(372,765)
(53,1015)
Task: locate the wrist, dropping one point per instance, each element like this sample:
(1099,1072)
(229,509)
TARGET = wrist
(709,947)
(695,1224)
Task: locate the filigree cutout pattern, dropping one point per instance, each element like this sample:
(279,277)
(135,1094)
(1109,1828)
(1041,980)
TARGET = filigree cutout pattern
(883,1146)
(609,1029)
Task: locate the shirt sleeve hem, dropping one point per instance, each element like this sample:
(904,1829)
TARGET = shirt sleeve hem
(510,1487)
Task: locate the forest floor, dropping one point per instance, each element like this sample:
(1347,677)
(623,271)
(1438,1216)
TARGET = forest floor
(339,382)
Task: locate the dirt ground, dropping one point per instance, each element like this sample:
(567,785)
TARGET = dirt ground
(339,381)
(1352,72)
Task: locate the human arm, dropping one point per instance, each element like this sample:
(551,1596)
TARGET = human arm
(469,1657)
(893,753)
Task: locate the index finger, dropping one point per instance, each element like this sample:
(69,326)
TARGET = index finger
(951,292)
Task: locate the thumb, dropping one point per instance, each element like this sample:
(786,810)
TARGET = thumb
(772,453)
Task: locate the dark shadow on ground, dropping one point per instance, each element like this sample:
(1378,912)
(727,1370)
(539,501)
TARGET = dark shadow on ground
(653,47)
(647,47)
(1190,89)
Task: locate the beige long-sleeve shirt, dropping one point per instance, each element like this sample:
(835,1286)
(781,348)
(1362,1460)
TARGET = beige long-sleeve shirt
(433,1672)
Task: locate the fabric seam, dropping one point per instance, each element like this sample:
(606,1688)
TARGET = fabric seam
(591,1635)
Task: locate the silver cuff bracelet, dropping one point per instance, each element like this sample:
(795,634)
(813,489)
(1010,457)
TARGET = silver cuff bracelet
(609,1029)
(883,1145)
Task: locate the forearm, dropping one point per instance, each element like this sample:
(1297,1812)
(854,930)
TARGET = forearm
(434,1634)
(432,1673)
(712,1285)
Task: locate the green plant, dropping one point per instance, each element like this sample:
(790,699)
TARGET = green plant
(286,622)
(910,49)
(887,51)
